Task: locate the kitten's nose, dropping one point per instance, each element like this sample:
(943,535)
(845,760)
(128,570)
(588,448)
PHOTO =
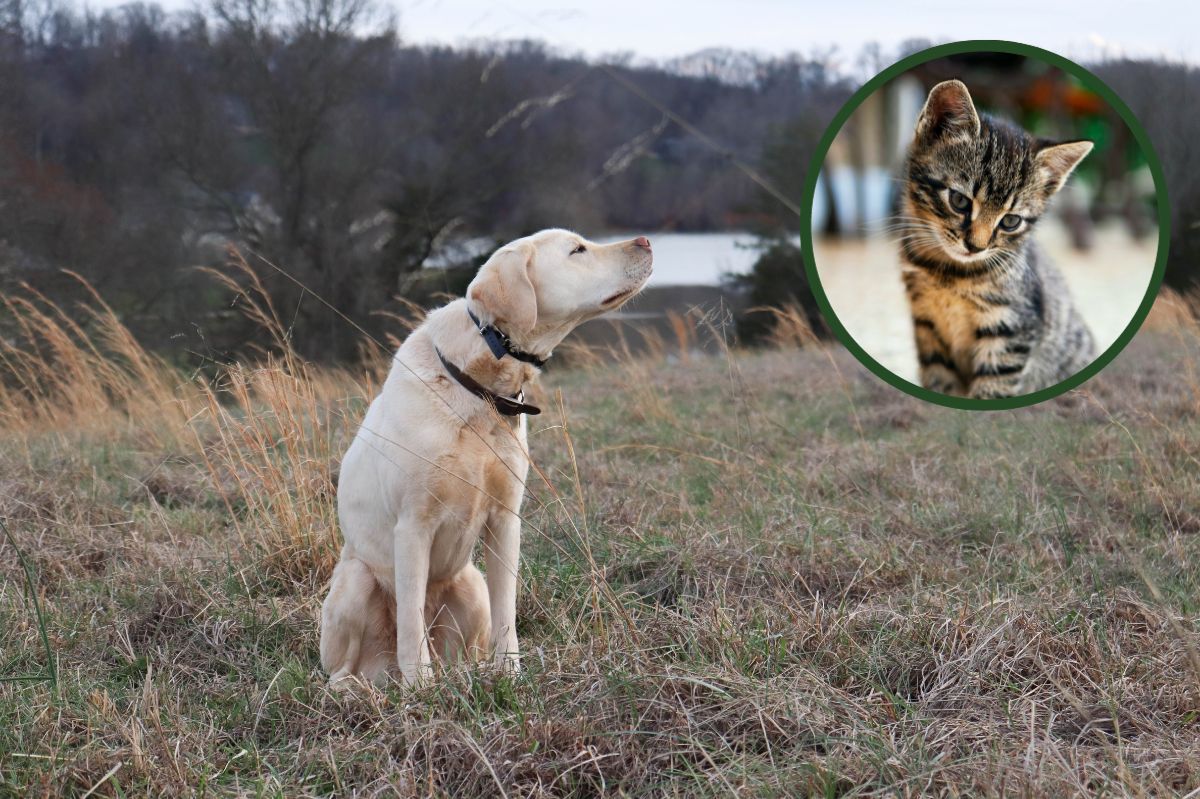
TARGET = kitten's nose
(642,241)
(971,248)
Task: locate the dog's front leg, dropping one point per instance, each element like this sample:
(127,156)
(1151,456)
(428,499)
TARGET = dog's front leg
(412,578)
(502,551)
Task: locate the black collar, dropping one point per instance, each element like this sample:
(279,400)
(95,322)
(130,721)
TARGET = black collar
(502,345)
(505,405)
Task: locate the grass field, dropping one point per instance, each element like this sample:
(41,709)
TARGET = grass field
(753,573)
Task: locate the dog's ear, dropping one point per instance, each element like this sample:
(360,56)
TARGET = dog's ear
(503,289)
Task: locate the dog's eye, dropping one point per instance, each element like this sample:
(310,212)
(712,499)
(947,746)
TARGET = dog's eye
(959,202)
(578,250)
(1010,222)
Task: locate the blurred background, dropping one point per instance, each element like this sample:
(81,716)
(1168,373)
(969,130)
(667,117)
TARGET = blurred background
(378,152)
(1102,230)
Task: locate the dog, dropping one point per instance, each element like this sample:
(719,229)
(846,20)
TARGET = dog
(441,458)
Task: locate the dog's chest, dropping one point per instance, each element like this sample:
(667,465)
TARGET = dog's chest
(479,479)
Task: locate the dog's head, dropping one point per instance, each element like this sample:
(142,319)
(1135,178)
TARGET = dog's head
(542,286)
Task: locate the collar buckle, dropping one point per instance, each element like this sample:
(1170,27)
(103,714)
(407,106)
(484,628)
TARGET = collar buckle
(500,344)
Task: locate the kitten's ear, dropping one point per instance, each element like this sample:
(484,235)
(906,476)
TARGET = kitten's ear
(1055,162)
(948,114)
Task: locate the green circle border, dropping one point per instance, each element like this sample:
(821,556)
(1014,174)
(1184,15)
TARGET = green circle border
(1091,82)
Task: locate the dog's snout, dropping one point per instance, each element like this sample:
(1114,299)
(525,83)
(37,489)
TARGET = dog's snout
(642,241)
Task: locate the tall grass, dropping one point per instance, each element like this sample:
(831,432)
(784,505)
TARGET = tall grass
(59,372)
(743,573)
(267,434)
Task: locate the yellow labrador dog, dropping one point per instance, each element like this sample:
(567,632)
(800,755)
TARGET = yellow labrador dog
(441,461)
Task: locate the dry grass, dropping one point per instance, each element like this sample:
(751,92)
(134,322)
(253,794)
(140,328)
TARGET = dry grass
(745,573)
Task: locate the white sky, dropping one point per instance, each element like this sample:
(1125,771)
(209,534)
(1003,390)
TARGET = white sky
(661,30)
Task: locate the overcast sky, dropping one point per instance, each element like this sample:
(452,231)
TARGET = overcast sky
(660,30)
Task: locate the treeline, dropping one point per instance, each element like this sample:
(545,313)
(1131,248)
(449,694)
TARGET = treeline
(1162,95)
(134,145)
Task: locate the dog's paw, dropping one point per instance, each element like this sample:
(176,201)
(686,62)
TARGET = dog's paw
(415,676)
(509,662)
(344,680)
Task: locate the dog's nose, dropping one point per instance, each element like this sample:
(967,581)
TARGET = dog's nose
(642,241)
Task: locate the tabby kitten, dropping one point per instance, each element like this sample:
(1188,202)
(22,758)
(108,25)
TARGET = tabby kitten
(992,316)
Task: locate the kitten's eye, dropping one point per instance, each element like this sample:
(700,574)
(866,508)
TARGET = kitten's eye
(1010,222)
(579,249)
(959,202)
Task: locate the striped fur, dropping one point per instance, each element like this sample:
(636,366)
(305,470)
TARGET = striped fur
(991,315)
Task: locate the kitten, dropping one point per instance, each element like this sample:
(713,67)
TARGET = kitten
(992,316)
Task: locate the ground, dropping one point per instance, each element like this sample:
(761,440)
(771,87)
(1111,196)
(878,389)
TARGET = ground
(861,279)
(755,573)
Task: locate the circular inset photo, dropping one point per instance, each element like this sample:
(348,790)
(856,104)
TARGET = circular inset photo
(986,225)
